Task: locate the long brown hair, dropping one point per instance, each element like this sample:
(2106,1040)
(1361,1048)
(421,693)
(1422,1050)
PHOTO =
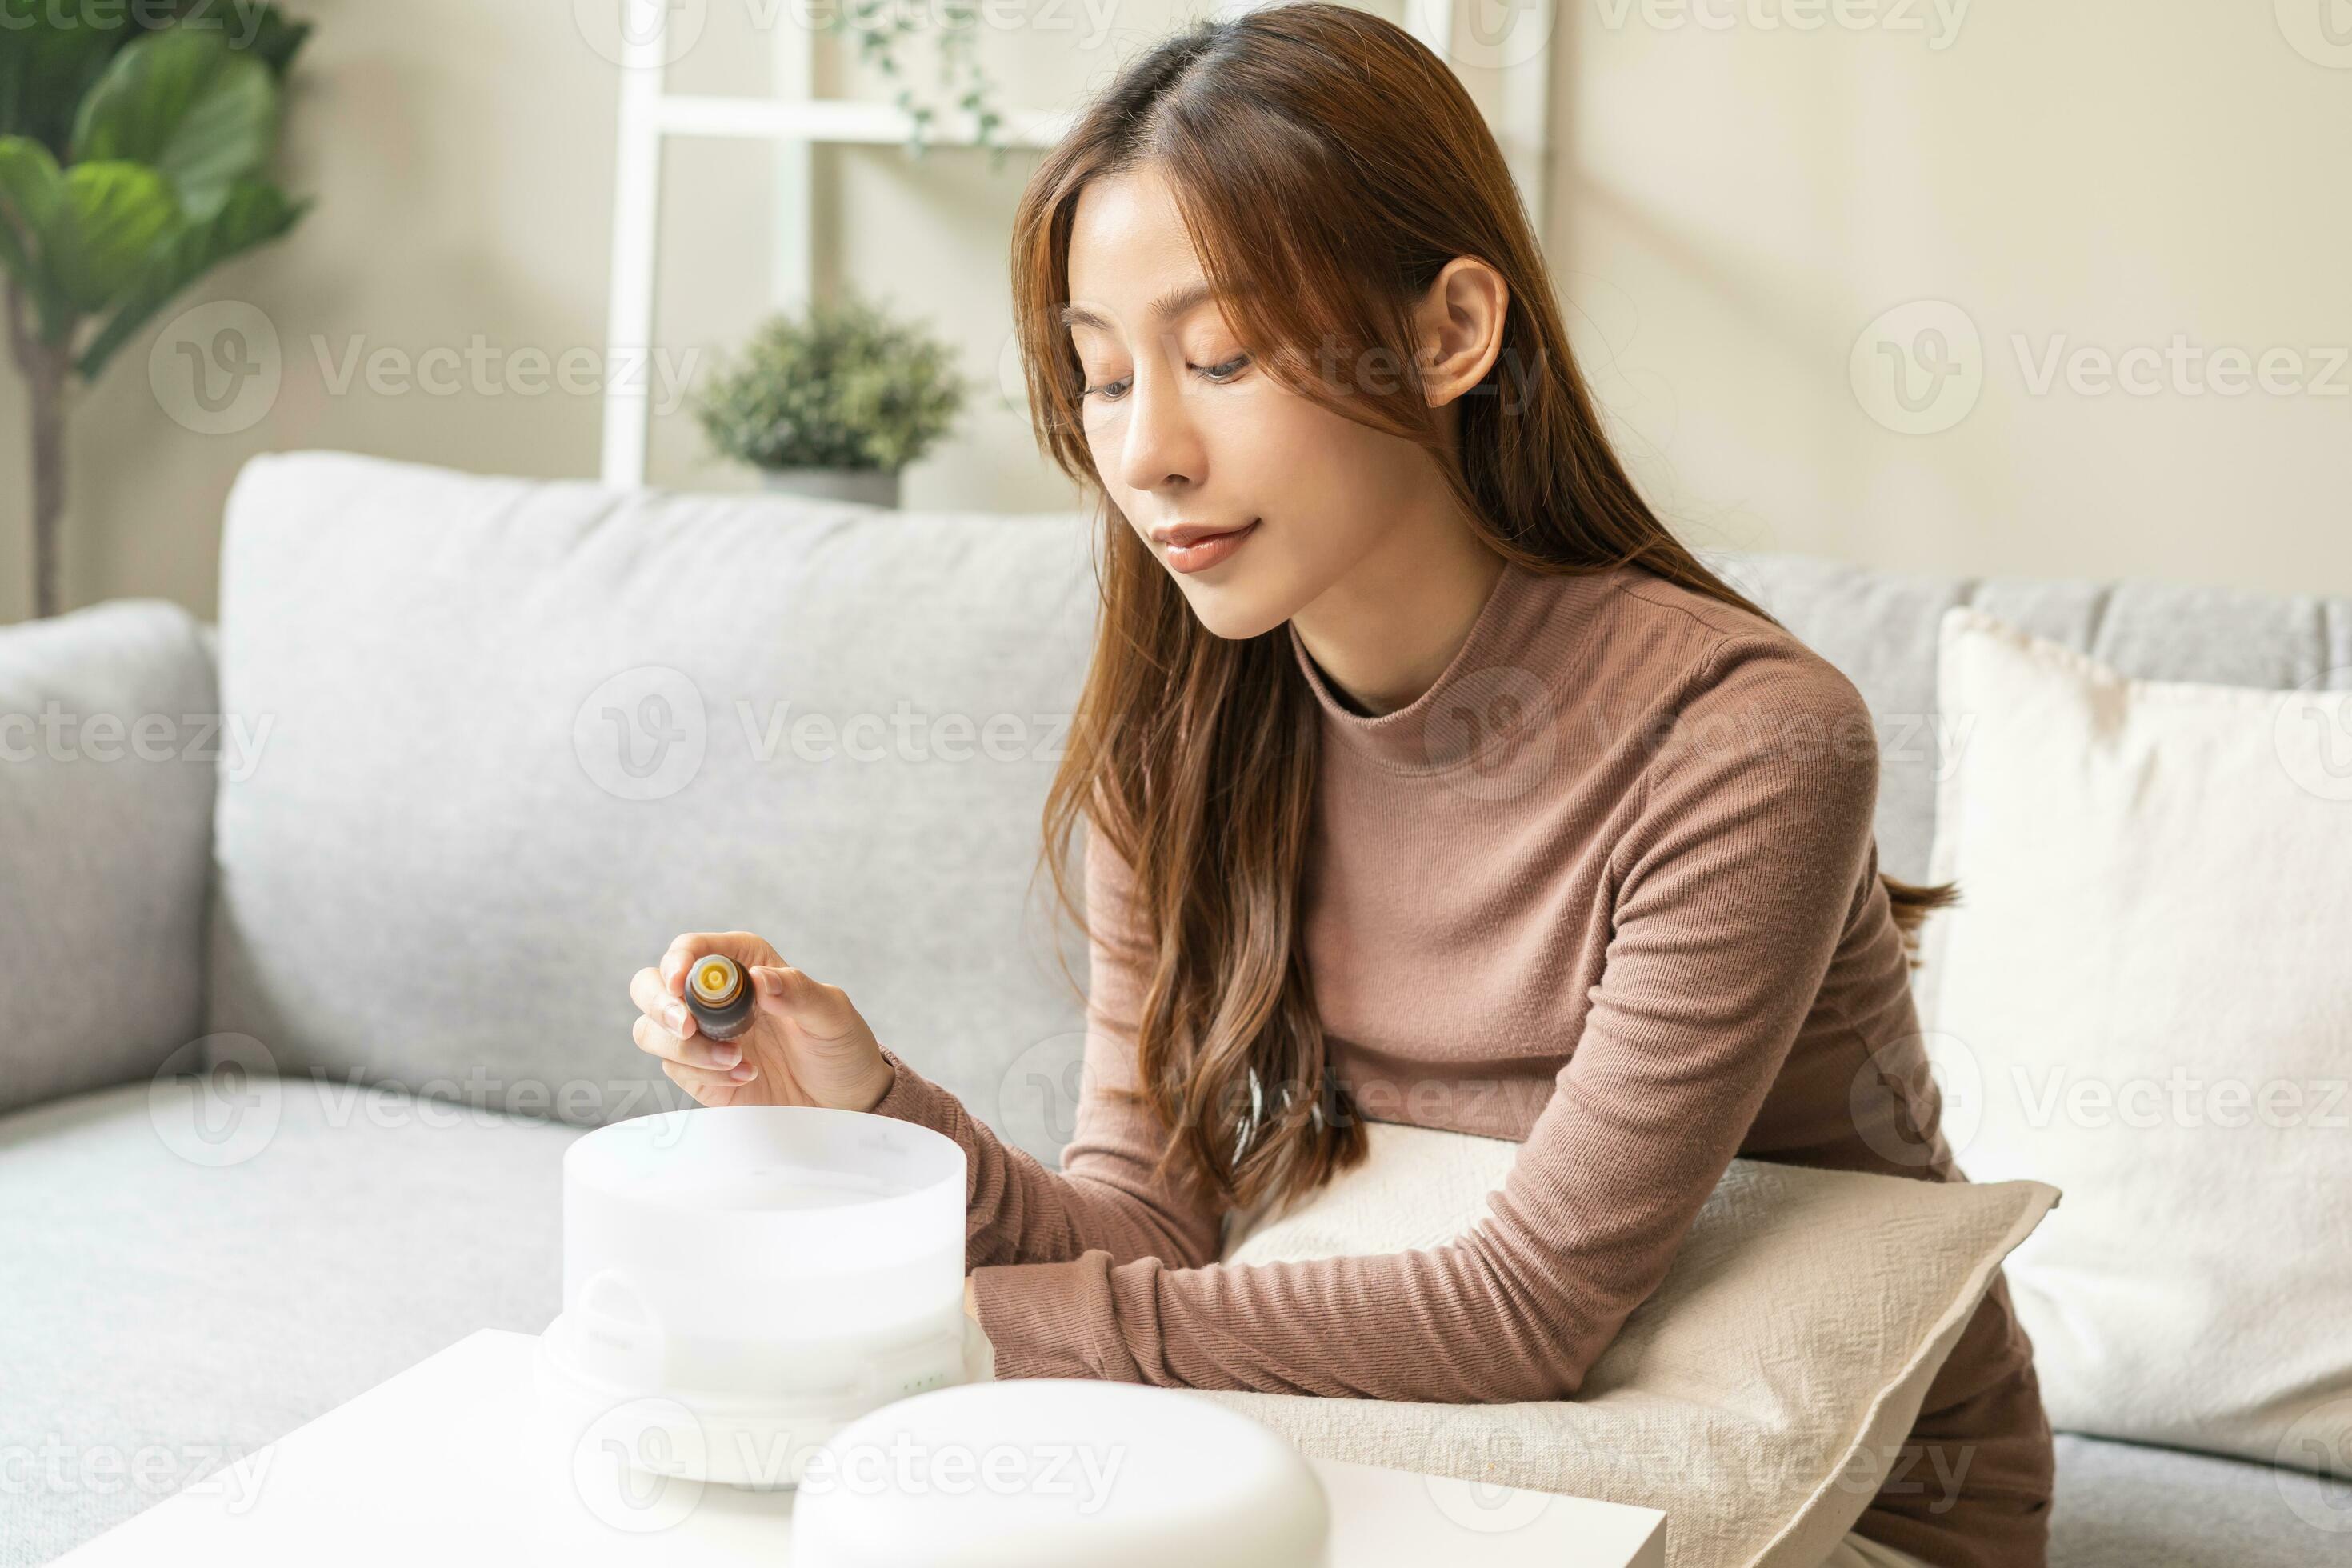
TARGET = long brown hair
(1327,165)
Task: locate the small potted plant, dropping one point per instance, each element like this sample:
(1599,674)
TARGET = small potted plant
(833,401)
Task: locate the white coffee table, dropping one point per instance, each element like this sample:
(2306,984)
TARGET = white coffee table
(447,1465)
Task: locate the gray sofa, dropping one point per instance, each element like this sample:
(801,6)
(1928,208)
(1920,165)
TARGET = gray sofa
(465,752)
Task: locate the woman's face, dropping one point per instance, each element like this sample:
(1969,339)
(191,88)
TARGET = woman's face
(1257,501)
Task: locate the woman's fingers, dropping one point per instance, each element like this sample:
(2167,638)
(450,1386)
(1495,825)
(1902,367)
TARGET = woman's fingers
(703,1056)
(823,1012)
(705,1086)
(654,1000)
(745,947)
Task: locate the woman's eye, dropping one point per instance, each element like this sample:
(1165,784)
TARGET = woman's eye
(1217,374)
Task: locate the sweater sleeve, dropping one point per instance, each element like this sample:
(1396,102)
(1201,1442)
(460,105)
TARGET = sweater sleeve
(1740,868)
(1104,1199)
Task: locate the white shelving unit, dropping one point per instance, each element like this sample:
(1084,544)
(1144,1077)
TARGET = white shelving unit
(799,122)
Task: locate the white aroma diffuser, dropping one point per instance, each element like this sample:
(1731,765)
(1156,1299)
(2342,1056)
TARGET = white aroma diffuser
(742,1281)
(1054,1472)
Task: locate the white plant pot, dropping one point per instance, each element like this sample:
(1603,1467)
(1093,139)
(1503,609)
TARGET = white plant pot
(869,487)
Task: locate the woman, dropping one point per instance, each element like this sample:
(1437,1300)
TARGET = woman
(1426,778)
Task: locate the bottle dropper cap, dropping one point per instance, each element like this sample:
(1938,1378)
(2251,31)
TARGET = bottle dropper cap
(717,996)
(716,980)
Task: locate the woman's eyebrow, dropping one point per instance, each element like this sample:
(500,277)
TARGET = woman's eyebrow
(1173,303)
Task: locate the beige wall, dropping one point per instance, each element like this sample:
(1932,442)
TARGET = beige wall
(1735,206)
(1731,207)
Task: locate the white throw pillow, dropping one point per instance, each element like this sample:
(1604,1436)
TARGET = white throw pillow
(1758,1398)
(2145,996)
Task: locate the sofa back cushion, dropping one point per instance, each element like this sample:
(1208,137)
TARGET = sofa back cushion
(1879,628)
(522,734)
(109,743)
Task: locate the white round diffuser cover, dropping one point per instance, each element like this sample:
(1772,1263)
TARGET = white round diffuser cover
(743,1279)
(1055,1473)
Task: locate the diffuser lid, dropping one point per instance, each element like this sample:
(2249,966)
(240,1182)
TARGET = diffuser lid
(1040,1472)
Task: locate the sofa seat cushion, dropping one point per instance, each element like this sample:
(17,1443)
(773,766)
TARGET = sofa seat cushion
(178,1290)
(2127,1505)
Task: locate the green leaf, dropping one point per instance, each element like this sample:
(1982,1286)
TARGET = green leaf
(280,40)
(255,213)
(32,202)
(32,190)
(49,54)
(184,100)
(14,260)
(112,217)
(262,31)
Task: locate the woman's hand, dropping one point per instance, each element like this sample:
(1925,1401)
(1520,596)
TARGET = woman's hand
(807,1044)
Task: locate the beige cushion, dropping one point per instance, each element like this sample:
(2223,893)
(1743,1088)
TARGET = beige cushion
(1757,1398)
(2146,997)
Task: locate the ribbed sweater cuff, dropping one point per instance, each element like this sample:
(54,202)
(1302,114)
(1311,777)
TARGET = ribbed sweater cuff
(913,1098)
(1054,1319)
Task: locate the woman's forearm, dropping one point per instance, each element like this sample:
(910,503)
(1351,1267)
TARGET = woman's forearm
(1017,1210)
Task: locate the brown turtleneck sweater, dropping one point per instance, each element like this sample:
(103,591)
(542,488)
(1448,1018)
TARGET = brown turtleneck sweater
(1608,889)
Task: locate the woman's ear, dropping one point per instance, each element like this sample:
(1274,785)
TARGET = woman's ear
(1458,328)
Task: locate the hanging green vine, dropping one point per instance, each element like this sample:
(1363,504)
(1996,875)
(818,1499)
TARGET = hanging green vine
(880,27)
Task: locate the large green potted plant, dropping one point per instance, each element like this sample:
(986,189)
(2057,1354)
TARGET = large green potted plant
(833,401)
(132,145)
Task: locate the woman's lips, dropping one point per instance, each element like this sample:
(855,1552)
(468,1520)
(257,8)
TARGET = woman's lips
(1205,552)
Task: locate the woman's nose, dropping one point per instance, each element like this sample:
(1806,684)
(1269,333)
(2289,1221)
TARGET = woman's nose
(1161,443)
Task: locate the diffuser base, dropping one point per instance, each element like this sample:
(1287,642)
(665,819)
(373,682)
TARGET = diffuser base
(727,1437)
